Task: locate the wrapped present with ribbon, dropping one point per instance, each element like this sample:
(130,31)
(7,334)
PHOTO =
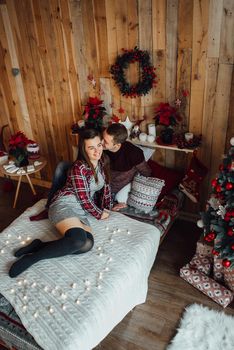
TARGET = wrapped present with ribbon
(218,270)
(228,277)
(207,285)
(202,263)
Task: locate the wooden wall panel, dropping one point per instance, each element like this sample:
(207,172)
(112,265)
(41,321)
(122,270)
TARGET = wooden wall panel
(57,44)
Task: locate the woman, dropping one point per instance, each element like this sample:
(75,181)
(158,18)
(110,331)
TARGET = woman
(72,205)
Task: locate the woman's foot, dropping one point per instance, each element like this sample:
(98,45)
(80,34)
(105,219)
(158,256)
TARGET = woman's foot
(20,266)
(31,248)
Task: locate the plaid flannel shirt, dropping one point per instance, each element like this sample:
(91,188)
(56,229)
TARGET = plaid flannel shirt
(78,182)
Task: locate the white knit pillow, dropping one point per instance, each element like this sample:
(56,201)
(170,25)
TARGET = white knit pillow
(145,192)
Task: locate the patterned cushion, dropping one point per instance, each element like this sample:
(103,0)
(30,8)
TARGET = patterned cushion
(145,192)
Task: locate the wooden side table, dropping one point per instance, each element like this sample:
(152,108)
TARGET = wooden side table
(27,174)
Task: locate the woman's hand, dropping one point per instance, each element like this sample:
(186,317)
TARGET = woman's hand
(105,214)
(119,206)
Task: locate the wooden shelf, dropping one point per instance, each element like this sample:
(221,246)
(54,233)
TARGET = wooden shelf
(156,145)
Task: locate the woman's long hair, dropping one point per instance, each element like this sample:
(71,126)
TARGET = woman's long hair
(87,134)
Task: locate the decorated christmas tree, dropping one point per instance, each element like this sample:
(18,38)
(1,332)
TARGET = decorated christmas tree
(218,219)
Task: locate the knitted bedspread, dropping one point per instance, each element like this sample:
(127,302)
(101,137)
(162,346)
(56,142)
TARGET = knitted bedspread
(73,302)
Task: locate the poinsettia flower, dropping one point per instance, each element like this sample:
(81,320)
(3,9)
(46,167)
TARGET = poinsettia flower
(166,115)
(164,120)
(185,93)
(115,119)
(95,101)
(19,140)
(121,110)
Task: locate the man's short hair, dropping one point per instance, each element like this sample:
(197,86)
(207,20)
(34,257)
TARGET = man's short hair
(118,131)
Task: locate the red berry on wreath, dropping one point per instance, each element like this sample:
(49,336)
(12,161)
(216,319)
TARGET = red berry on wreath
(226,262)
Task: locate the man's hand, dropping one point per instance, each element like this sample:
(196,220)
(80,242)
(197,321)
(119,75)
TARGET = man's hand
(119,206)
(105,214)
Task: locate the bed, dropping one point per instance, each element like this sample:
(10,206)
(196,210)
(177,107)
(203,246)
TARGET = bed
(87,294)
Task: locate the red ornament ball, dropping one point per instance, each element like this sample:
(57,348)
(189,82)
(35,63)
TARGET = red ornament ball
(232,246)
(210,237)
(226,262)
(230,232)
(221,167)
(214,182)
(215,252)
(229,186)
(218,188)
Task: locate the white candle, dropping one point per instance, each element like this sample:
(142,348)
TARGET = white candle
(152,129)
(188,136)
(143,137)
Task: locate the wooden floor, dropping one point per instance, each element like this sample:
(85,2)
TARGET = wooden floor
(152,325)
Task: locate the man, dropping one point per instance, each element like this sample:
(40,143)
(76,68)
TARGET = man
(125,160)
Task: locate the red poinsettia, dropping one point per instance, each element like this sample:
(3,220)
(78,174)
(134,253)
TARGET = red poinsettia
(166,115)
(19,140)
(94,113)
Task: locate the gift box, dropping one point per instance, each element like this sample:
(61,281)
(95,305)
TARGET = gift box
(203,248)
(228,276)
(202,263)
(207,285)
(218,270)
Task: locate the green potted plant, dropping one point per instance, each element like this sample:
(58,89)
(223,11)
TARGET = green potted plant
(17,148)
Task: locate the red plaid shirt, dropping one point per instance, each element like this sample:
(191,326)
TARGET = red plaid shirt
(78,184)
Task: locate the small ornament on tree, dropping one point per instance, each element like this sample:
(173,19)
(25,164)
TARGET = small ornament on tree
(209,237)
(226,263)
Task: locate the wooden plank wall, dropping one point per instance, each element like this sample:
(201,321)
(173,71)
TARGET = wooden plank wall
(57,44)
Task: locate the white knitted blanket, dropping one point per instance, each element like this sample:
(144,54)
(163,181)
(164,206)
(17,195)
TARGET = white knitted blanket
(73,302)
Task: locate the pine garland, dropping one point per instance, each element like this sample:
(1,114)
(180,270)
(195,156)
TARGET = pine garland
(147,78)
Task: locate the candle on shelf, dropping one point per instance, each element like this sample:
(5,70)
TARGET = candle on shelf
(188,136)
(143,137)
(150,138)
(152,129)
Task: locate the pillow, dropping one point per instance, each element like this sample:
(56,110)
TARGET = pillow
(171,177)
(122,195)
(144,192)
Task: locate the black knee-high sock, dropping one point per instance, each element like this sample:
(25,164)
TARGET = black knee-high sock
(30,248)
(73,240)
(88,244)
(37,244)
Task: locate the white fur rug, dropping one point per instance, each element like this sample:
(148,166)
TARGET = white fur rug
(204,329)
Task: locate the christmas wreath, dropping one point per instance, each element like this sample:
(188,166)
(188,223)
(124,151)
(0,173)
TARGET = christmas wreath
(147,78)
